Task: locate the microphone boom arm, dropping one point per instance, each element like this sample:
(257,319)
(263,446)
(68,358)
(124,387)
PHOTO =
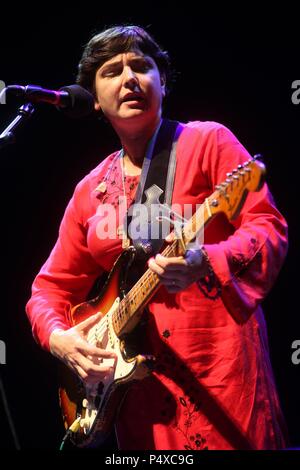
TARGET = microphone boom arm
(8,135)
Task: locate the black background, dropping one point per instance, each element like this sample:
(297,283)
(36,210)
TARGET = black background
(234,68)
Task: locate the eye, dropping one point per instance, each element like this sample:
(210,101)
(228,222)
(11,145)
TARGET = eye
(142,67)
(110,73)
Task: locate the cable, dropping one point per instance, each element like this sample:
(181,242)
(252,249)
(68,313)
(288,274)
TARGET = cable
(9,417)
(73,428)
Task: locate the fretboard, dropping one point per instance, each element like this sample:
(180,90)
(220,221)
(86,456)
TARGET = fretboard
(140,294)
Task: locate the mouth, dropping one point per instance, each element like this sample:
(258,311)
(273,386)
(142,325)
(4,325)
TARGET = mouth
(132,98)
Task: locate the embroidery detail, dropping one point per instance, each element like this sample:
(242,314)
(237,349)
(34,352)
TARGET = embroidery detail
(191,413)
(209,285)
(238,262)
(112,182)
(187,404)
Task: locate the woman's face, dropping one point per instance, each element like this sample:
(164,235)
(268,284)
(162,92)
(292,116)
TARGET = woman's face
(129,87)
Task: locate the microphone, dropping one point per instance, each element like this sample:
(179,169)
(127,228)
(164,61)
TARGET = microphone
(73,100)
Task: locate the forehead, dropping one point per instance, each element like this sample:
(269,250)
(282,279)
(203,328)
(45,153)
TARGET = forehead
(128,56)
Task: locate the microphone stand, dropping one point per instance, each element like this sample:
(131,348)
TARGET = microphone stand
(8,135)
(9,417)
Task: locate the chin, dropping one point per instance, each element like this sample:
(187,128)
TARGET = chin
(134,113)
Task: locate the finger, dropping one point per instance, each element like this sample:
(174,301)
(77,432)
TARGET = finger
(80,372)
(169,238)
(89,322)
(73,363)
(88,379)
(170,263)
(169,272)
(154,267)
(92,369)
(94,351)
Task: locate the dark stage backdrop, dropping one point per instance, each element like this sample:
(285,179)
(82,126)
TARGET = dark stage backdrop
(237,70)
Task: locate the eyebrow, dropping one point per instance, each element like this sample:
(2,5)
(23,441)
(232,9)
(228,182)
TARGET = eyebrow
(119,62)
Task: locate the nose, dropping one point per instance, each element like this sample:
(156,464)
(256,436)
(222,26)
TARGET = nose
(130,79)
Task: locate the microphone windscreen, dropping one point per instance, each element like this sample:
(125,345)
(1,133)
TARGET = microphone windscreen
(81,102)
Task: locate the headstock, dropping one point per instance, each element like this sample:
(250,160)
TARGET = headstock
(230,195)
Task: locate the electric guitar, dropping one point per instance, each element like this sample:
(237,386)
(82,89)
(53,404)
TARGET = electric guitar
(89,412)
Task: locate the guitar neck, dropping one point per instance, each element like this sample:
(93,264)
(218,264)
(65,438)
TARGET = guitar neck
(228,198)
(140,294)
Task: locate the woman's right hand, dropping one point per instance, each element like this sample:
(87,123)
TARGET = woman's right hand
(83,358)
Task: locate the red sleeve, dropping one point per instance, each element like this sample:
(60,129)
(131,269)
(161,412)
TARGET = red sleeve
(248,262)
(68,274)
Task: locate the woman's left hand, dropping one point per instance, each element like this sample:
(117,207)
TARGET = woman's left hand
(177,273)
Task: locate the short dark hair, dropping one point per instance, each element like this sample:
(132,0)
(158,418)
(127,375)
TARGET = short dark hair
(113,41)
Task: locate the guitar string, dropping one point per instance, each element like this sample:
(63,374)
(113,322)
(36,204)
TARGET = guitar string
(122,306)
(135,291)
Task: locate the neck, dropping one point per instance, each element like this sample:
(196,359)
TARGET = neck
(135,141)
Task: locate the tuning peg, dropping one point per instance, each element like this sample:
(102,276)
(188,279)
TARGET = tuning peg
(228,175)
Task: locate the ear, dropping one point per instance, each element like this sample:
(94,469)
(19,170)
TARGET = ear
(163,84)
(97,106)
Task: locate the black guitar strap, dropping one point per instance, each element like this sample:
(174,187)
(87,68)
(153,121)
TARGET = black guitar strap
(156,187)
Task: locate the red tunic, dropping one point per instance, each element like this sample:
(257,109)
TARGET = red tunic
(213,385)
